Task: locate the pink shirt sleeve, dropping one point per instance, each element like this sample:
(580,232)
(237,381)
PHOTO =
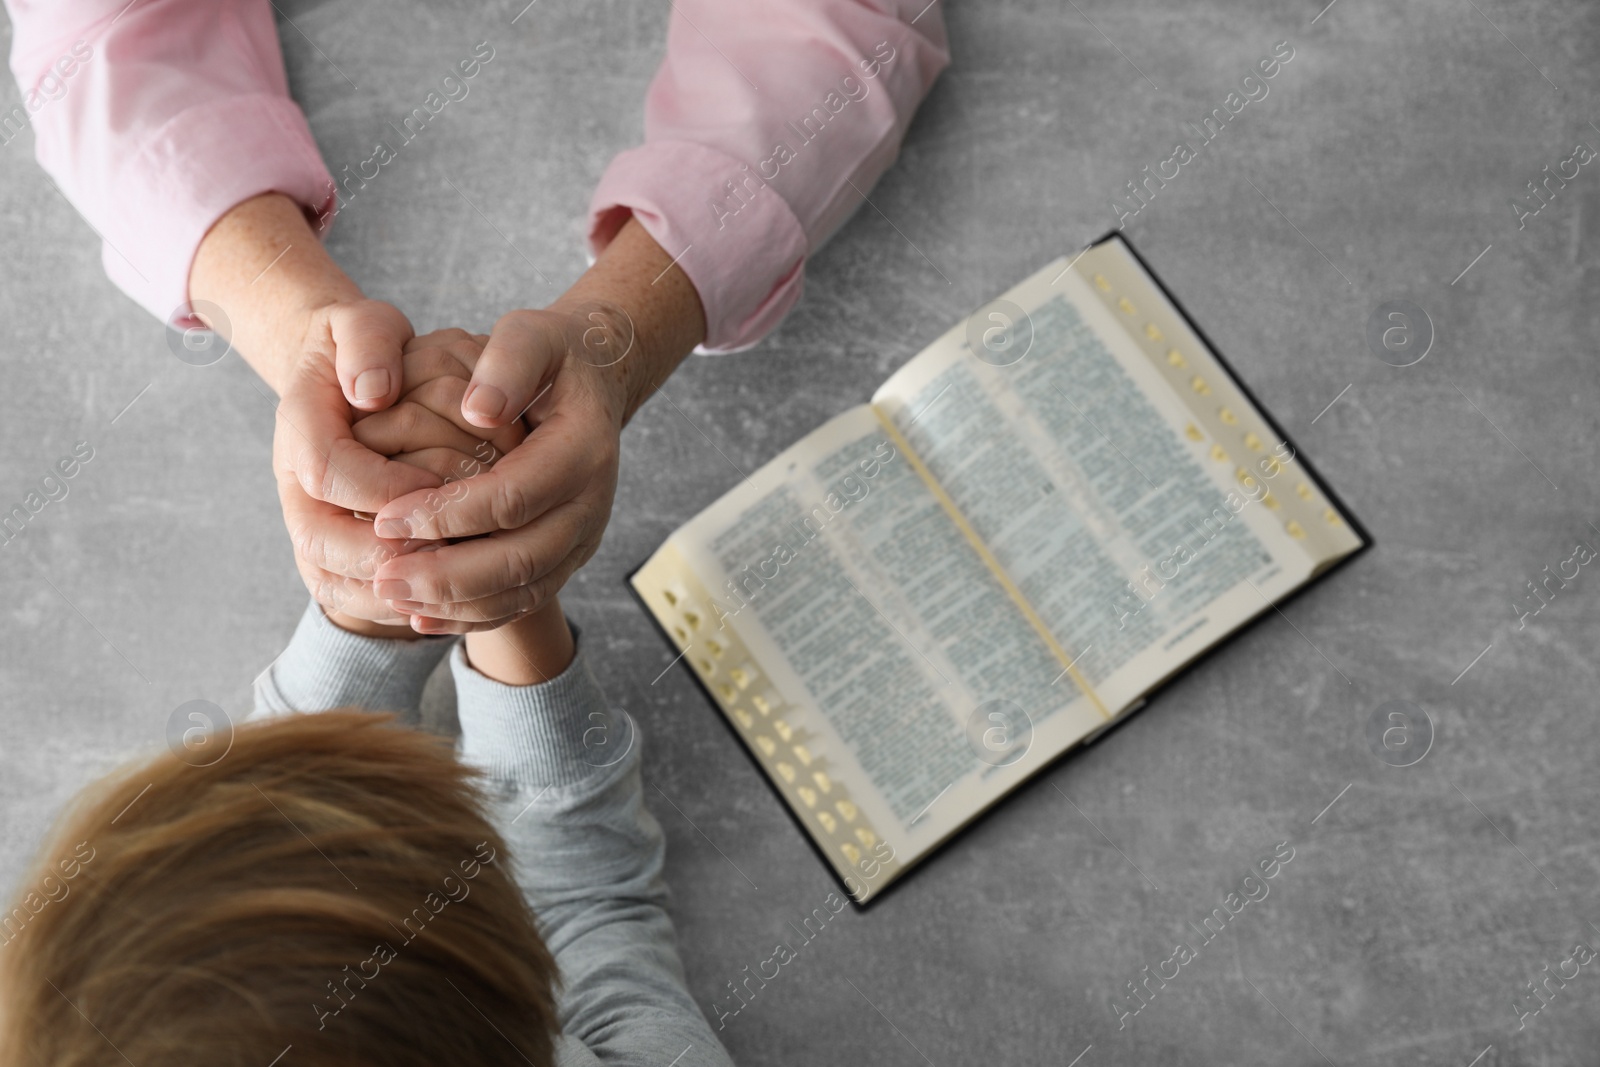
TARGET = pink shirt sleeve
(155,118)
(766,126)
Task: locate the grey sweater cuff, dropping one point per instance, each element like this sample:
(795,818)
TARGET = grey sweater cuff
(325,667)
(555,733)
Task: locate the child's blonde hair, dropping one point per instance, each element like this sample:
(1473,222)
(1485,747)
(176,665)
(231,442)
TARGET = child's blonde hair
(328,893)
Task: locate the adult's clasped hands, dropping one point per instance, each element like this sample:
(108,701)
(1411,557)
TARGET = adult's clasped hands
(452,480)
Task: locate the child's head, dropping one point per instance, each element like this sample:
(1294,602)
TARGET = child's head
(330,884)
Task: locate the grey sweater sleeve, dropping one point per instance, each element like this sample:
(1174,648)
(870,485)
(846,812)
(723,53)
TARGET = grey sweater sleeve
(568,799)
(589,855)
(325,667)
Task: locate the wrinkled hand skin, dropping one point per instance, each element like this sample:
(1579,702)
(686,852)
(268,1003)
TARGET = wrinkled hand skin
(323,473)
(514,534)
(423,429)
(426,429)
(500,544)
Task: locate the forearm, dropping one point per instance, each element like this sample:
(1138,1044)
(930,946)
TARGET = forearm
(765,127)
(662,315)
(154,119)
(531,650)
(589,855)
(264,267)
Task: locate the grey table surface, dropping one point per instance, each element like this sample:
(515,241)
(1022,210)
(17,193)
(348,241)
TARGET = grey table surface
(1421,900)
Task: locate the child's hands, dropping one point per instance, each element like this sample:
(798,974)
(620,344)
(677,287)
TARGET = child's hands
(425,429)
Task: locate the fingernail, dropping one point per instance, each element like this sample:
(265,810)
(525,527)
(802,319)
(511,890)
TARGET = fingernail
(371,384)
(484,401)
(410,607)
(394,529)
(393,589)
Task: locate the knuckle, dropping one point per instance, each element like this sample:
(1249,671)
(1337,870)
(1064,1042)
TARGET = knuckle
(372,430)
(334,595)
(520,319)
(583,551)
(407,416)
(426,587)
(307,466)
(509,504)
(326,474)
(522,565)
(444,393)
(463,465)
(587,525)
(534,594)
(367,566)
(465,352)
(328,484)
(308,542)
(435,588)
(330,590)
(452,591)
(423,519)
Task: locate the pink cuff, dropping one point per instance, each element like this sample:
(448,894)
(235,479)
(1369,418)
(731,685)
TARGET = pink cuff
(747,265)
(190,173)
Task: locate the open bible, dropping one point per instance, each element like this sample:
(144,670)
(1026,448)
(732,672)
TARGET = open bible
(1041,518)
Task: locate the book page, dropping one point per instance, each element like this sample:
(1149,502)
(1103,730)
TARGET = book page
(1081,469)
(888,653)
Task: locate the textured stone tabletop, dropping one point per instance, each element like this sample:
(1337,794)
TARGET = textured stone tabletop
(1382,165)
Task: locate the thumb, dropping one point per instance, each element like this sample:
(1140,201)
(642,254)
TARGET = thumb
(522,355)
(369,340)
